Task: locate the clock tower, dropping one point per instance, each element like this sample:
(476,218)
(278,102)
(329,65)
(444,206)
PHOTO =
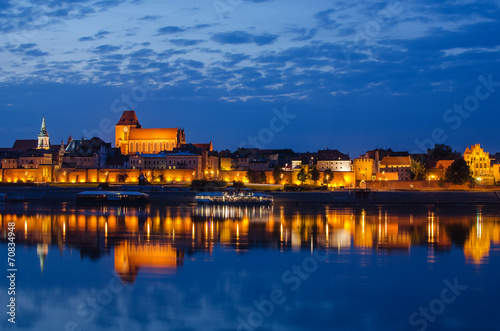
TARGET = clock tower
(122,130)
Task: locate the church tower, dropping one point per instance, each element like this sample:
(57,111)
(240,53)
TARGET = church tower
(43,137)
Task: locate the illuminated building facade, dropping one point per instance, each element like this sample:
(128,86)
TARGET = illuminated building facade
(131,138)
(10,160)
(397,164)
(34,158)
(335,165)
(363,169)
(495,170)
(478,160)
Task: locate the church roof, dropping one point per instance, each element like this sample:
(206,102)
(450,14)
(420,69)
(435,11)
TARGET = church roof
(129,118)
(152,134)
(22,145)
(43,130)
(25,144)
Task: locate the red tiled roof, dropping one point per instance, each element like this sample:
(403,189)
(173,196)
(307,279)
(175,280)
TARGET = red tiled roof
(23,145)
(129,118)
(443,164)
(396,160)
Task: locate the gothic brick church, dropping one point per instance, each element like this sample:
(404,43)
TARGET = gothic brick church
(131,138)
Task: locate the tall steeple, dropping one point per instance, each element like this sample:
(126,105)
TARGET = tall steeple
(43,137)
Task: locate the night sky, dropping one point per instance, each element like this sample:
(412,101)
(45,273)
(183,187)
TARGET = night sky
(351,75)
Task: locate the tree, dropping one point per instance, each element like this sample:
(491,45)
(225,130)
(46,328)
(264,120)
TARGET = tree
(302,176)
(417,169)
(459,172)
(443,152)
(327,176)
(262,177)
(314,173)
(238,184)
(278,174)
(250,175)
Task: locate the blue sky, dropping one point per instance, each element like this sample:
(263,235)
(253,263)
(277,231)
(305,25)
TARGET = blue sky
(352,75)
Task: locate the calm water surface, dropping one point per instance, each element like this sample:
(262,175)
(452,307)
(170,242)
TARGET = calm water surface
(271,268)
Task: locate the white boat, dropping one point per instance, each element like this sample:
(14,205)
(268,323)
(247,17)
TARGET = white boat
(234,197)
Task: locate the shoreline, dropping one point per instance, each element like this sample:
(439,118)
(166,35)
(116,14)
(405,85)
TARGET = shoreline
(346,196)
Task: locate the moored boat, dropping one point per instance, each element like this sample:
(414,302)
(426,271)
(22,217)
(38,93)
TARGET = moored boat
(234,197)
(112,197)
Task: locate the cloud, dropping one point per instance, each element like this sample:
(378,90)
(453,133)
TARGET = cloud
(191,63)
(142,53)
(103,49)
(149,18)
(35,53)
(170,30)
(185,42)
(86,38)
(101,34)
(304,34)
(233,59)
(27,49)
(108,4)
(27,46)
(202,26)
(325,21)
(242,37)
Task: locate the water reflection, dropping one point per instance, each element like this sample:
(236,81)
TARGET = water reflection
(157,239)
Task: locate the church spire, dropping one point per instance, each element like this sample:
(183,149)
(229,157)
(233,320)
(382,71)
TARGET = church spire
(43,136)
(43,130)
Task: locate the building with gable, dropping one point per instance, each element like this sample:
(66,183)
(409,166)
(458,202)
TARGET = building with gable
(132,138)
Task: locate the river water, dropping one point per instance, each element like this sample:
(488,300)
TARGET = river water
(283,267)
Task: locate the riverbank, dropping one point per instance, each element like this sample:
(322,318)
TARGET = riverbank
(178,195)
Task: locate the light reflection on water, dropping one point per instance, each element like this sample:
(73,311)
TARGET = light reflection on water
(156,236)
(158,242)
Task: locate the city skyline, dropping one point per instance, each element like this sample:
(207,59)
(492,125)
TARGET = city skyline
(248,144)
(386,72)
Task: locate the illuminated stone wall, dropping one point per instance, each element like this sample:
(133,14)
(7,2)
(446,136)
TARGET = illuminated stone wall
(495,169)
(22,175)
(363,169)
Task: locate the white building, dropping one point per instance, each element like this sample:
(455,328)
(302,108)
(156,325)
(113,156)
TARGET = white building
(335,165)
